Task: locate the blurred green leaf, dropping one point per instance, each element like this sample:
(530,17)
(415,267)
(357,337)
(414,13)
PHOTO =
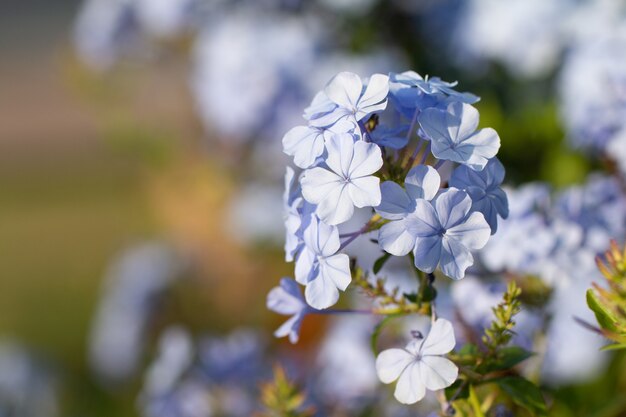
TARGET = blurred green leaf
(603,315)
(524,393)
(380,262)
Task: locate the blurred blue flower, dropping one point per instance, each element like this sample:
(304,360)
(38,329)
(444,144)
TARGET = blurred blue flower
(287,299)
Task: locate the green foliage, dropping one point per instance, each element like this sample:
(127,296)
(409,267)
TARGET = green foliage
(609,304)
(281,398)
(524,393)
(492,364)
(501,330)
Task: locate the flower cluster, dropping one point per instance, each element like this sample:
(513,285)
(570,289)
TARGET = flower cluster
(388,145)
(406,151)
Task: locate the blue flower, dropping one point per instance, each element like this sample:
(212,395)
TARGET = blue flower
(422,182)
(454,137)
(410,91)
(305,144)
(350,100)
(446,231)
(394,138)
(319,267)
(346,181)
(287,300)
(484,189)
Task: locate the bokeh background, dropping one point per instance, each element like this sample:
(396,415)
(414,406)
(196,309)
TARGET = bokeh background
(142,139)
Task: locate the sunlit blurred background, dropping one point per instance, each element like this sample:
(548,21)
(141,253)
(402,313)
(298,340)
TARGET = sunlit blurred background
(141,169)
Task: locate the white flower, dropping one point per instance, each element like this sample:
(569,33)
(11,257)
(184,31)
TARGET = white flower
(418,366)
(347,182)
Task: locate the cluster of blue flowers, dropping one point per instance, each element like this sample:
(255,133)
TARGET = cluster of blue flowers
(568,231)
(405,149)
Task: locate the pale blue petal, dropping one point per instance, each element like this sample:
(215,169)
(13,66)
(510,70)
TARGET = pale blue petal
(290,328)
(286,299)
(455,258)
(395,202)
(341,148)
(437,372)
(410,388)
(433,123)
(317,183)
(321,292)
(423,222)
(345,89)
(305,144)
(375,92)
(320,106)
(391,362)
(422,181)
(365,191)
(366,159)
(462,121)
(321,238)
(473,233)
(305,263)
(336,269)
(337,207)
(427,253)
(452,207)
(395,238)
(440,339)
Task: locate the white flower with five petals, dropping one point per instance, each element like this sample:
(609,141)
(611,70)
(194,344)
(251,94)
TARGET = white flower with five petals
(420,366)
(346,182)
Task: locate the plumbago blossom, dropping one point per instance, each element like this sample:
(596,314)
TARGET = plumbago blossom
(407,151)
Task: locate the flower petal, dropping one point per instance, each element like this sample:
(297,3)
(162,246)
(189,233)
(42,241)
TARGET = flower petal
(422,181)
(462,120)
(391,362)
(318,183)
(395,202)
(427,253)
(473,233)
(423,222)
(367,159)
(344,89)
(452,207)
(321,292)
(305,144)
(337,207)
(410,388)
(321,238)
(440,339)
(437,372)
(395,239)
(455,258)
(365,191)
(337,269)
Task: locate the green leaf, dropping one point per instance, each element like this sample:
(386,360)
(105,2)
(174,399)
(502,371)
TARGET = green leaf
(378,329)
(524,393)
(604,316)
(429,293)
(614,346)
(412,297)
(459,390)
(507,358)
(475,403)
(380,262)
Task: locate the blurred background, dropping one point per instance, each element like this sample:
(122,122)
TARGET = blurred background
(141,171)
